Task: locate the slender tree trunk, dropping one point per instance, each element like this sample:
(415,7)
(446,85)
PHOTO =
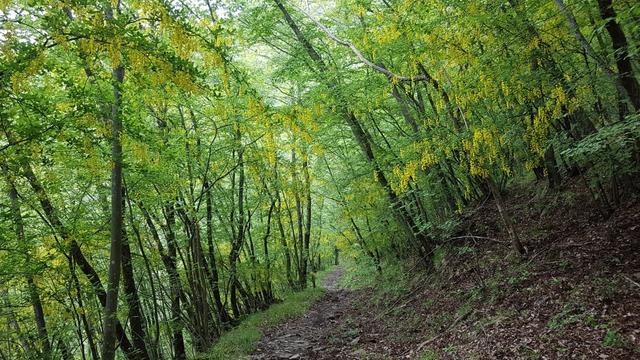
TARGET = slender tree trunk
(506,218)
(153,344)
(215,278)
(283,236)
(12,322)
(299,245)
(267,261)
(88,329)
(283,241)
(620,51)
(115,258)
(136,317)
(573,25)
(307,231)
(239,240)
(34,295)
(38,313)
(205,329)
(175,285)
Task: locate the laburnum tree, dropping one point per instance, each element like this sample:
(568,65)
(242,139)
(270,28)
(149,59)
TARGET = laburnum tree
(169,167)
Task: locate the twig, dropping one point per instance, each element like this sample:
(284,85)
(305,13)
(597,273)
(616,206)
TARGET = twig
(631,281)
(478,237)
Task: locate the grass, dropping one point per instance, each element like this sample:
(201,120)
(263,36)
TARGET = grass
(613,339)
(241,341)
(392,283)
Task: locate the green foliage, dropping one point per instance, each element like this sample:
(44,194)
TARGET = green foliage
(607,288)
(439,256)
(520,277)
(613,339)
(569,314)
(616,140)
(450,349)
(429,355)
(255,148)
(359,274)
(392,282)
(610,152)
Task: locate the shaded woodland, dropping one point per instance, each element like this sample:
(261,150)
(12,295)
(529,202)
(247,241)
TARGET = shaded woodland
(170,167)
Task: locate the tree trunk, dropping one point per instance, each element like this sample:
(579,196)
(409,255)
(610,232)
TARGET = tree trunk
(299,245)
(283,242)
(506,218)
(34,295)
(620,51)
(88,329)
(239,240)
(215,287)
(265,244)
(115,258)
(76,253)
(307,231)
(136,317)
(153,345)
(175,285)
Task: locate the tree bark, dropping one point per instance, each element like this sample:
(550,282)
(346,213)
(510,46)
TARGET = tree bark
(215,278)
(620,51)
(34,295)
(175,284)
(307,231)
(573,25)
(136,316)
(115,258)
(506,218)
(238,242)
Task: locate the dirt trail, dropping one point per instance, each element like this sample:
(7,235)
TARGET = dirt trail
(313,335)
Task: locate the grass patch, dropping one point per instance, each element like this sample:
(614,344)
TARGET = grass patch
(358,275)
(241,340)
(394,281)
(613,339)
(569,314)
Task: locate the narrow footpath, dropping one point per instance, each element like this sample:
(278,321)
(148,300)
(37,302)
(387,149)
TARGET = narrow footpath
(314,335)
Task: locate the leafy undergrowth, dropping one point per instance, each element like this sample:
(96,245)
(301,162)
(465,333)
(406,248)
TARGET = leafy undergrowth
(575,295)
(239,342)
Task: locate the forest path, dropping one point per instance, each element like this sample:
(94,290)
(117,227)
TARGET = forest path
(316,334)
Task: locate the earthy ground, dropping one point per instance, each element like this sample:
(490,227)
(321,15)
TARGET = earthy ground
(575,296)
(309,337)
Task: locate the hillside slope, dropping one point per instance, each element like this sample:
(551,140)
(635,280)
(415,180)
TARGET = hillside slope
(575,295)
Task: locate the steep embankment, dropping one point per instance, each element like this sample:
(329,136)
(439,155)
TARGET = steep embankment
(576,295)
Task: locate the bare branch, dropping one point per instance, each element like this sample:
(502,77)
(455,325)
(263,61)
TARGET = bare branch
(359,55)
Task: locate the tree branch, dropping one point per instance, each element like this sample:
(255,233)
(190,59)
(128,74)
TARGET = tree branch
(360,56)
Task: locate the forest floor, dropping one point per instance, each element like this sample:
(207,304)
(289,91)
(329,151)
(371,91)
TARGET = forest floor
(575,296)
(309,336)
